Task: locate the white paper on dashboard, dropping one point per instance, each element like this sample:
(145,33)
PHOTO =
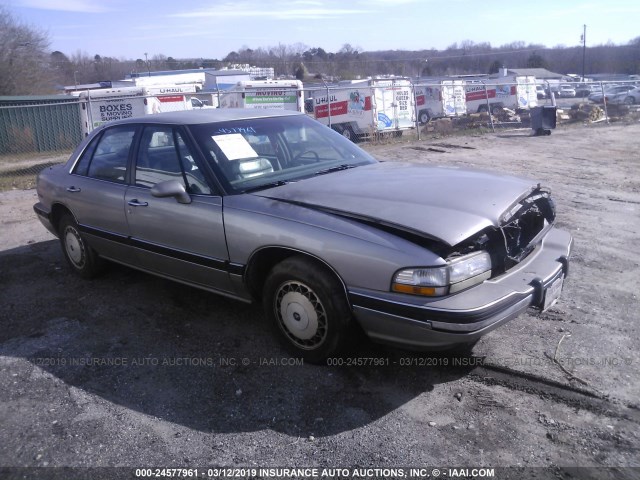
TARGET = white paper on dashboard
(235,146)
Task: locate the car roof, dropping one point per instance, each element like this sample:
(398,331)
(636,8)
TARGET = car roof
(195,117)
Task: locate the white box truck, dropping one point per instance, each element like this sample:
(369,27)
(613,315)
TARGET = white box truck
(110,104)
(440,98)
(494,94)
(361,108)
(265,94)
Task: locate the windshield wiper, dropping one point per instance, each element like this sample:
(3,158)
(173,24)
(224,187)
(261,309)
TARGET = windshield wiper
(279,183)
(337,168)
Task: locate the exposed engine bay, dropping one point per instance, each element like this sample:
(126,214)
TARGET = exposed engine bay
(521,229)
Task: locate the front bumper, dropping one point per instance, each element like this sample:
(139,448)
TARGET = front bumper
(414,322)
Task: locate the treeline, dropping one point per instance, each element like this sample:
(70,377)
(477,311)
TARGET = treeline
(457,59)
(315,63)
(27,66)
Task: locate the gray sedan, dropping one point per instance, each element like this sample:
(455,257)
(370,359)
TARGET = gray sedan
(275,207)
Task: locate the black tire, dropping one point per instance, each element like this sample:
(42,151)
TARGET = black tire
(423,117)
(496,109)
(307,309)
(347,133)
(482,109)
(629,100)
(82,259)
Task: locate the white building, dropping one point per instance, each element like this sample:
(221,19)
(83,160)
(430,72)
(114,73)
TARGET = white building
(256,73)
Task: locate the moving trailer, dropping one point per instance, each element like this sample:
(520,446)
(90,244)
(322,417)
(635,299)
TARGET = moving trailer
(106,105)
(513,92)
(440,98)
(268,94)
(361,108)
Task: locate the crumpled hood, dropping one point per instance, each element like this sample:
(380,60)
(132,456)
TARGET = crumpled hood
(444,203)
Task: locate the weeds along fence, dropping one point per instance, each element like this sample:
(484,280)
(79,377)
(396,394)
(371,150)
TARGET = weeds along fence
(36,132)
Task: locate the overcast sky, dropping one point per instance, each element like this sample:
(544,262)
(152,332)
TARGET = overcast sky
(212,29)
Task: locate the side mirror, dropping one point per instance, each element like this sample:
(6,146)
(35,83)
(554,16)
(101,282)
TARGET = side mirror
(171,188)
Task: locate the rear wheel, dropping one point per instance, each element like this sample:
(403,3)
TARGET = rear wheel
(80,256)
(347,133)
(629,101)
(307,309)
(423,117)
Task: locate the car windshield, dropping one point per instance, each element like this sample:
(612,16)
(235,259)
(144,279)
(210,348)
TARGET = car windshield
(257,153)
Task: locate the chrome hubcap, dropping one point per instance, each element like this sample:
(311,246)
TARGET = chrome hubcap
(74,246)
(301,315)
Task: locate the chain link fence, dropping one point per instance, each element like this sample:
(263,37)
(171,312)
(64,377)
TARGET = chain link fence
(37,132)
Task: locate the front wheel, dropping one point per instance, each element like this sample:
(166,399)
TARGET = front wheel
(629,100)
(80,256)
(307,309)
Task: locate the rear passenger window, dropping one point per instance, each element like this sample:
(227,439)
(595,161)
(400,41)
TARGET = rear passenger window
(109,161)
(163,155)
(82,166)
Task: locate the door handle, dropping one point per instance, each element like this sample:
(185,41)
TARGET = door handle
(136,203)
(73,189)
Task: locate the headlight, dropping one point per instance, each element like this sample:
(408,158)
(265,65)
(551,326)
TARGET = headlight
(458,274)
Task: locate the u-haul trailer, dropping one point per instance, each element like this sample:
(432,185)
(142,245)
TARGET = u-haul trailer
(264,94)
(360,108)
(106,105)
(440,98)
(494,94)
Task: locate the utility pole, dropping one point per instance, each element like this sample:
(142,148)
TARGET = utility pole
(584,47)
(146,60)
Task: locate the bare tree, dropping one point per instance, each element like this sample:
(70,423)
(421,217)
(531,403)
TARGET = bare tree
(24,57)
(84,70)
(159,62)
(62,68)
(281,54)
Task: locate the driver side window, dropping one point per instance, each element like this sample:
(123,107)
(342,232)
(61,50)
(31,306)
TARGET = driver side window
(163,155)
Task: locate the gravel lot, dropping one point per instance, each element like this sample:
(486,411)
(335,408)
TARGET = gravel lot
(134,371)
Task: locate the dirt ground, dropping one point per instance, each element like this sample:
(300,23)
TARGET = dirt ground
(129,370)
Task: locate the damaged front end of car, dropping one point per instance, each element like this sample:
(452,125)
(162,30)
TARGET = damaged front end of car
(487,280)
(486,255)
(522,227)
